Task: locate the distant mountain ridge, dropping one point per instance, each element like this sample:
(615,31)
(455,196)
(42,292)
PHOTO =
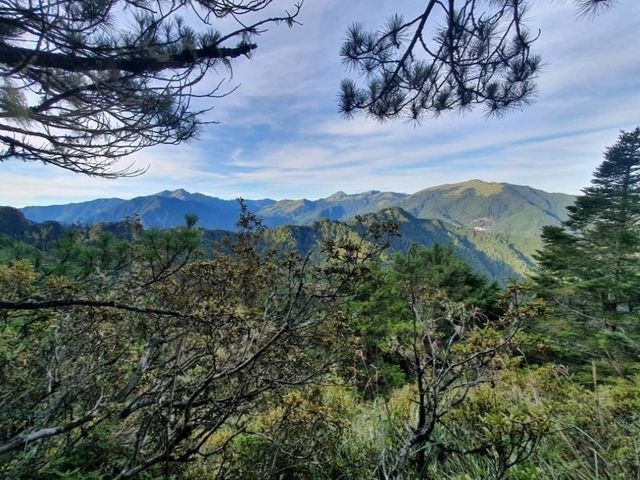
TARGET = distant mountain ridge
(476,204)
(165,209)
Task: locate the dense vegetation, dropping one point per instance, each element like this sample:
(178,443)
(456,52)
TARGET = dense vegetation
(128,352)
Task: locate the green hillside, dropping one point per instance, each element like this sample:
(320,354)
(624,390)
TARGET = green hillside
(497,207)
(497,256)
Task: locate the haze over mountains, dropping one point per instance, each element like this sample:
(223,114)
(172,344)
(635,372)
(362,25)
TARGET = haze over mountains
(495,226)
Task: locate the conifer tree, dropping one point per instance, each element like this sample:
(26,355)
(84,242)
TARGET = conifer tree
(596,252)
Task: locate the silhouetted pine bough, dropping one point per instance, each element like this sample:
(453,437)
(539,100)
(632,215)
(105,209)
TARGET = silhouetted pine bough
(87,83)
(454,54)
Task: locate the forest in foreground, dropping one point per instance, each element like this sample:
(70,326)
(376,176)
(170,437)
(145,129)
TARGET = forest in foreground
(128,352)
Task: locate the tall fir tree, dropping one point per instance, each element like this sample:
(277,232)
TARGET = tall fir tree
(595,254)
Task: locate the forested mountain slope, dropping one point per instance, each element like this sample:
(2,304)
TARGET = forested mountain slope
(494,255)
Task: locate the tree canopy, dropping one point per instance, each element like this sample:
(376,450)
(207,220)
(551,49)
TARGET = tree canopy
(137,352)
(87,82)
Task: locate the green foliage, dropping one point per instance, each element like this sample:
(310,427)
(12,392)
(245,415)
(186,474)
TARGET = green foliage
(192,354)
(578,343)
(119,357)
(11,249)
(383,317)
(443,273)
(594,258)
(404,77)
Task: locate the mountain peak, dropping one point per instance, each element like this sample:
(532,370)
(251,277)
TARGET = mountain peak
(181,194)
(397,214)
(340,195)
(480,188)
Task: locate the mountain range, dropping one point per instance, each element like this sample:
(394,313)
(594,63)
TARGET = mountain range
(496,226)
(499,207)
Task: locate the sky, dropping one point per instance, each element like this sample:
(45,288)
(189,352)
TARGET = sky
(280,134)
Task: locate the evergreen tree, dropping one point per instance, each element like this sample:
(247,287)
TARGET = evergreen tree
(596,252)
(383,318)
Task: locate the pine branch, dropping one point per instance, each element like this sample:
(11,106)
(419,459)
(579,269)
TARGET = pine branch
(16,56)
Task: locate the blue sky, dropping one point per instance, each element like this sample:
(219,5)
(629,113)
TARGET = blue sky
(280,135)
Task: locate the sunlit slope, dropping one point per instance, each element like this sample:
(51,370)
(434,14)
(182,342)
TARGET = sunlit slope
(498,207)
(494,255)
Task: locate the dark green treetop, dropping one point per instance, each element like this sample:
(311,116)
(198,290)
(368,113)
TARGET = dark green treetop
(596,253)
